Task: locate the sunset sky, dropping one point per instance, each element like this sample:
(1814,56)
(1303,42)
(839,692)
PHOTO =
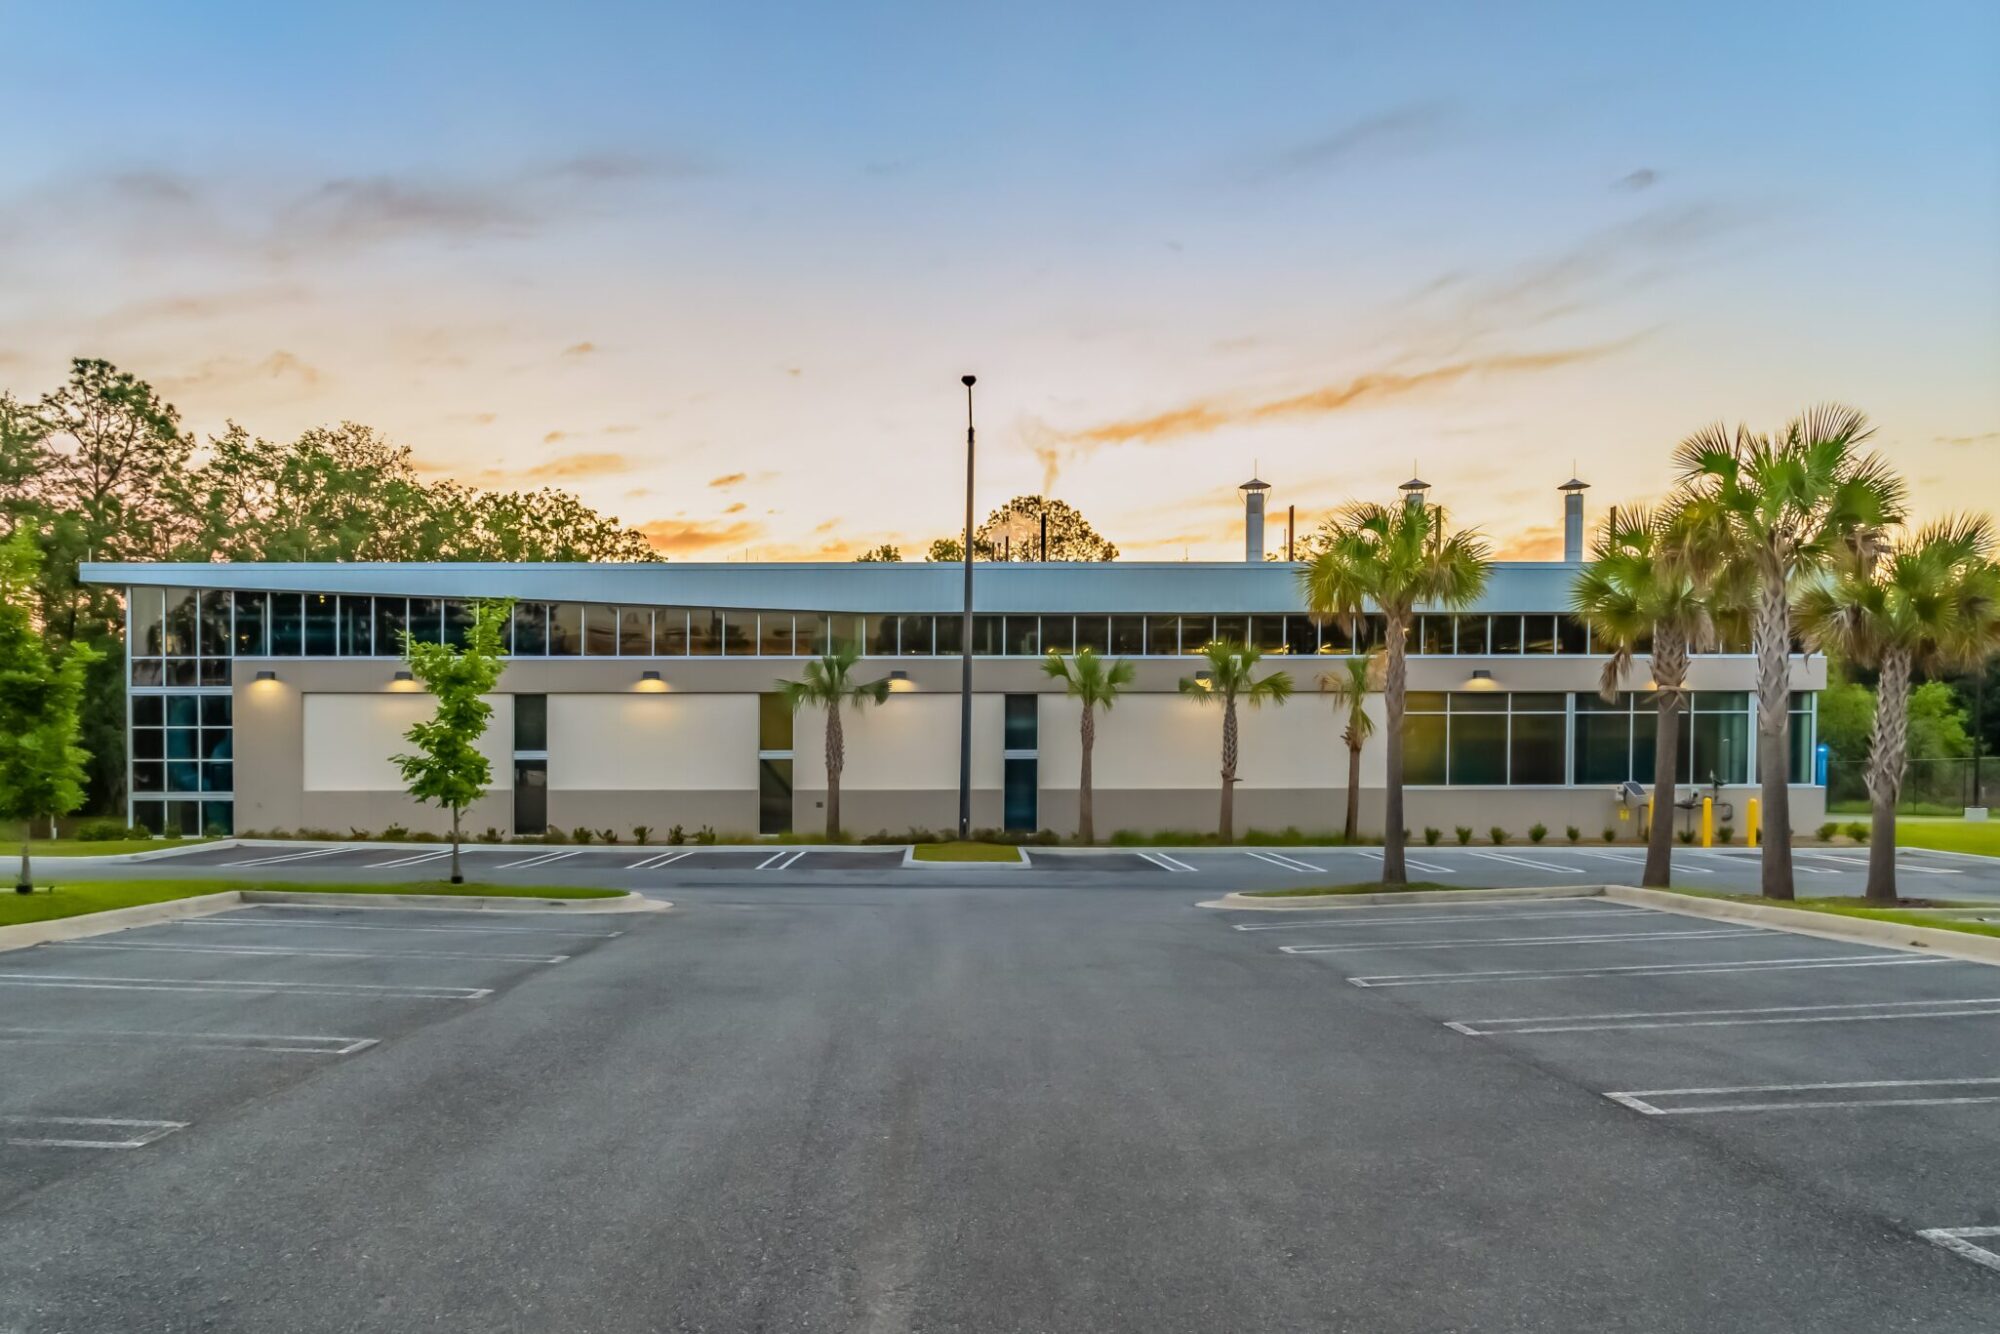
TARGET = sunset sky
(718,267)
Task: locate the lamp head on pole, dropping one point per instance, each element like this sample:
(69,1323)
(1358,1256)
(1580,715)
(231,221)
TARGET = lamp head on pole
(968,380)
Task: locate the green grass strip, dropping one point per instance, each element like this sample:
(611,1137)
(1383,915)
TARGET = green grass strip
(1365,887)
(76,898)
(967,852)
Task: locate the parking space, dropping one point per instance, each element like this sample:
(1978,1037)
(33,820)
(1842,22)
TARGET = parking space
(114,1042)
(1865,1073)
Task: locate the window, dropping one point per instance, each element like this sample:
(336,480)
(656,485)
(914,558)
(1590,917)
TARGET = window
(1163,636)
(1803,769)
(600,631)
(1718,738)
(357,627)
(1434,635)
(531,796)
(774,723)
(392,618)
(915,636)
(1506,634)
(844,633)
(288,625)
(1022,726)
(704,632)
(989,636)
(1336,635)
(322,625)
(1603,740)
(214,625)
(144,632)
(1424,739)
(809,634)
(458,618)
(1535,740)
(531,629)
(1234,629)
(1196,632)
(1572,636)
(774,634)
(1301,635)
(774,764)
(1020,777)
(1093,633)
(1023,639)
(670,632)
(427,620)
(1128,635)
(1539,633)
(1478,739)
(950,636)
(1268,633)
(739,634)
(635,632)
(1058,634)
(565,630)
(881,637)
(531,723)
(178,623)
(1471,634)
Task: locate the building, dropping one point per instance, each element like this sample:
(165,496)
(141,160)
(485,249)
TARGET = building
(268,697)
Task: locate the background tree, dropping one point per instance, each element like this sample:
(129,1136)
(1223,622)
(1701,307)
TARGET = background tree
(886,554)
(828,683)
(41,764)
(1232,676)
(448,767)
(1398,557)
(1094,684)
(1014,533)
(1642,592)
(1349,688)
(1920,606)
(1784,507)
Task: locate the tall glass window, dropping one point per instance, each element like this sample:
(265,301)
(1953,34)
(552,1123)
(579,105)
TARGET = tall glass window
(1093,633)
(565,630)
(322,625)
(288,625)
(1535,746)
(531,629)
(1478,746)
(704,632)
(1128,635)
(600,631)
(250,625)
(1163,636)
(357,626)
(458,619)
(670,632)
(392,618)
(1020,778)
(427,620)
(774,634)
(914,636)
(635,632)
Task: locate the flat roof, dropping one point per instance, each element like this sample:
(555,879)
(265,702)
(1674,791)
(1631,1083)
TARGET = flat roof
(912,586)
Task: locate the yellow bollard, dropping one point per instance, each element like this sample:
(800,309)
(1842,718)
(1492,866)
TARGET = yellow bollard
(1649,816)
(1750,822)
(1708,822)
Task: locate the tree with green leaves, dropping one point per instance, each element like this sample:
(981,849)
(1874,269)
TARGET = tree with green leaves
(828,683)
(1926,605)
(1014,533)
(886,554)
(448,767)
(1095,684)
(1230,676)
(1642,592)
(1397,557)
(1349,688)
(41,764)
(1785,507)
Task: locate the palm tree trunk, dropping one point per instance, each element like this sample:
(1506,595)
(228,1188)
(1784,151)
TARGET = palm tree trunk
(835,760)
(26,884)
(1770,635)
(1228,824)
(457,876)
(1886,759)
(1352,831)
(1670,662)
(1395,684)
(1086,826)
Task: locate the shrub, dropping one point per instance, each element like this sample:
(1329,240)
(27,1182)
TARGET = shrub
(1464,833)
(395,833)
(607,835)
(1727,833)
(1431,837)
(1610,834)
(1497,834)
(492,835)
(642,834)
(705,836)
(358,835)
(1856,831)
(676,836)
(1827,831)
(581,834)
(1685,835)
(1574,834)
(555,835)
(1537,832)
(104,831)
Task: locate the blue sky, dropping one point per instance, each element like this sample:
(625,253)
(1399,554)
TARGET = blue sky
(718,268)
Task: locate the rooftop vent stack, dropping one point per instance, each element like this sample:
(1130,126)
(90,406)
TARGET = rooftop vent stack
(1414,491)
(1572,494)
(1253,520)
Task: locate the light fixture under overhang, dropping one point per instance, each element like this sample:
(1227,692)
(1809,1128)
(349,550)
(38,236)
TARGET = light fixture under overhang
(267,676)
(1481,679)
(1205,679)
(899,680)
(650,680)
(406,676)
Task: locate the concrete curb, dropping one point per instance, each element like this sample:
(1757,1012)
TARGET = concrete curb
(25,934)
(1426,897)
(299,898)
(912,862)
(1827,926)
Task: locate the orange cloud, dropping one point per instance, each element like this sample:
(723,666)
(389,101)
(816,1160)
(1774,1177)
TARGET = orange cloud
(1540,542)
(681,536)
(572,467)
(579,349)
(729,479)
(737,508)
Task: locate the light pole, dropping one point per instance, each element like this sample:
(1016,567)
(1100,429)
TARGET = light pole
(965,639)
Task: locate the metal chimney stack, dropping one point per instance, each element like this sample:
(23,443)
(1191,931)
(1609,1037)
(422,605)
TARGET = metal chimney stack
(1253,520)
(1414,491)
(1572,494)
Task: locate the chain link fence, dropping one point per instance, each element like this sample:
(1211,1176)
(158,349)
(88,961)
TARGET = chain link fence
(1930,787)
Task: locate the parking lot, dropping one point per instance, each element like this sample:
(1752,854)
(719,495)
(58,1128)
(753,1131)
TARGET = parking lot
(113,1043)
(1867,1075)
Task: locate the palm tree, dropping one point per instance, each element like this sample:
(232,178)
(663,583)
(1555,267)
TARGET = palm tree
(1228,679)
(826,683)
(1784,507)
(1930,604)
(1349,689)
(1095,684)
(1644,592)
(1397,557)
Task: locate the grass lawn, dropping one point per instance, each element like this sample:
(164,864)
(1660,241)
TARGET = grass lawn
(110,847)
(1911,916)
(88,896)
(1961,835)
(1365,887)
(967,852)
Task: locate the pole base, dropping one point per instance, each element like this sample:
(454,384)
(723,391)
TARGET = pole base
(24,889)
(458,880)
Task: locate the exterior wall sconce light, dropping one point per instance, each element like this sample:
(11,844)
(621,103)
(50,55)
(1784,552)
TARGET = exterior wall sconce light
(650,680)
(406,676)
(649,676)
(1482,679)
(1205,679)
(899,680)
(267,676)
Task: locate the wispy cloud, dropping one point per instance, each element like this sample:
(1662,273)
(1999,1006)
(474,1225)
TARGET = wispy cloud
(1985,438)
(1536,542)
(728,479)
(682,536)
(1398,131)
(582,349)
(228,371)
(1634,181)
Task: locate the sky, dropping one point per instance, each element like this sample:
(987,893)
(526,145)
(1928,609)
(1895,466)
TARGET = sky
(718,268)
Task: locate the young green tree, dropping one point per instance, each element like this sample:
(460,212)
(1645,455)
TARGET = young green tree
(1398,557)
(828,683)
(1231,675)
(1642,592)
(1784,506)
(448,767)
(1349,689)
(1926,605)
(1095,684)
(41,764)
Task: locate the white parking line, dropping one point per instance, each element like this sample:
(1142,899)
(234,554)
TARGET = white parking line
(1643,970)
(1634,859)
(1475,942)
(263,1042)
(408,861)
(1959,1241)
(1162,860)
(540,859)
(237,987)
(378,926)
(287,952)
(1426,918)
(1916,868)
(1523,861)
(1641,1100)
(268,860)
(1429,868)
(780,859)
(1851,1012)
(1288,863)
(136,1134)
(660,859)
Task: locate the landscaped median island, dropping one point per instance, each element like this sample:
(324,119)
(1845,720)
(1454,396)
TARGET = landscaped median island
(1941,915)
(966,852)
(91,896)
(1365,887)
(101,847)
